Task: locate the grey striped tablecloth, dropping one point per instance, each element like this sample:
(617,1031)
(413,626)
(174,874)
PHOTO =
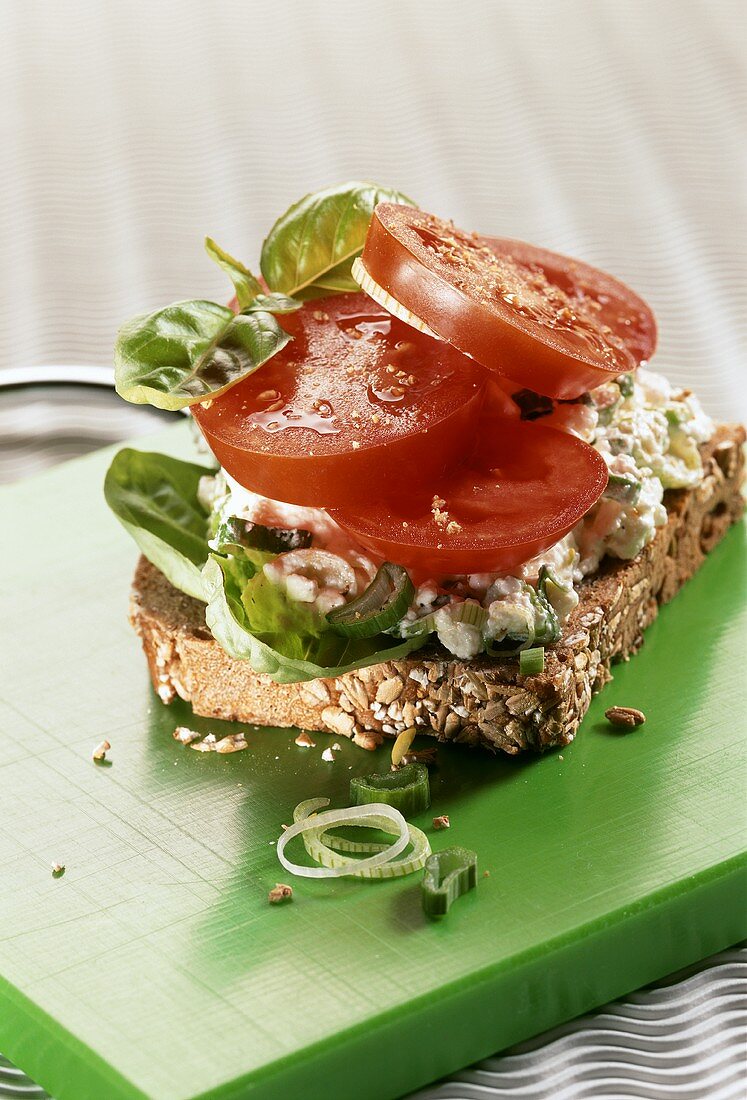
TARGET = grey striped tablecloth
(614,131)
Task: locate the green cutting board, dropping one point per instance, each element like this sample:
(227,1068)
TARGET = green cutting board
(154,967)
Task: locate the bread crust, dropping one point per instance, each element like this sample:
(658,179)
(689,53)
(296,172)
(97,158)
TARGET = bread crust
(479,702)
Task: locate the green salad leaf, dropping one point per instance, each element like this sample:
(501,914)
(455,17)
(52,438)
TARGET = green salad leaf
(154,497)
(310,249)
(246,285)
(254,621)
(191,351)
(250,293)
(274,303)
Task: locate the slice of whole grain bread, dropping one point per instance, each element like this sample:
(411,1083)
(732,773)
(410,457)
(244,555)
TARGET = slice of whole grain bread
(480,702)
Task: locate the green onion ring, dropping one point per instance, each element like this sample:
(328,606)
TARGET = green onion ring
(383,604)
(469,612)
(407,789)
(532,661)
(368,816)
(448,874)
(323,847)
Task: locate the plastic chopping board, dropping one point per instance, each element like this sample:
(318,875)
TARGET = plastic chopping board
(154,967)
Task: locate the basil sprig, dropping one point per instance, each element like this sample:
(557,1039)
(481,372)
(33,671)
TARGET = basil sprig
(246,285)
(249,291)
(310,249)
(193,351)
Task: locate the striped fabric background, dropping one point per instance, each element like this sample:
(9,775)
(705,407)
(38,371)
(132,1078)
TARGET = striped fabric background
(613,131)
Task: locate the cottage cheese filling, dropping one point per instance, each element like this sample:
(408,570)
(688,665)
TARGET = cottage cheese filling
(648,433)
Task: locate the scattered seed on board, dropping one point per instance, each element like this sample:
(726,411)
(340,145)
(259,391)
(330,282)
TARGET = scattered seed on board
(441,822)
(235,742)
(280,893)
(99,753)
(625,716)
(184,735)
(206,745)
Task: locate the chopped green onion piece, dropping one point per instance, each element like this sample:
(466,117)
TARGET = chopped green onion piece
(408,789)
(234,535)
(547,621)
(532,661)
(367,816)
(402,745)
(625,382)
(448,874)
(676,416)
(383,604)
(469,612)
(623,488)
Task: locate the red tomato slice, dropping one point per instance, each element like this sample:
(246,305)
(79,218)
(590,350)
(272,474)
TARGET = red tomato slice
(554,325)
(358,405)
(523,489)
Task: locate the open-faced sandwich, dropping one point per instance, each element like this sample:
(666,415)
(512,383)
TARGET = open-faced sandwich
(451,490)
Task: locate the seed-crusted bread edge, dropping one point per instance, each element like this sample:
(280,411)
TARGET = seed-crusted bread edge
(480,702)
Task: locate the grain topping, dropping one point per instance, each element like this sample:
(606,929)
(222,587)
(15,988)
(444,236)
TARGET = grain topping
(625,716)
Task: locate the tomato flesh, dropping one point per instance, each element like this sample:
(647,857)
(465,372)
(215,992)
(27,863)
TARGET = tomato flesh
(524,487)
(358,406)
(552,324)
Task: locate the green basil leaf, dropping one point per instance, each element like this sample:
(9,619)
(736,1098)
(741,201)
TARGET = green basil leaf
(310,249)
(274,303)
(190,352)
(246,285)
(250,293)
(154,497)
(253,620)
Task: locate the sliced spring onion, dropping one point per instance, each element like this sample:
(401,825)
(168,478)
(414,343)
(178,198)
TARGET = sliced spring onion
(547,624)
(365,816)
(402,745)
(625,382)
(532,661)
(234,535)
(395,868)
(384,298)
(448,874)
(324,847)
(623,488)
(383,604)
(547,584)
(469,612)
(407,789)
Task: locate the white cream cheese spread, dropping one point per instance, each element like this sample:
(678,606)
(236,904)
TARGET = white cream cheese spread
(648,433)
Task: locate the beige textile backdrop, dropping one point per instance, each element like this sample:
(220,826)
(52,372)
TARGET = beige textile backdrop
(611,130)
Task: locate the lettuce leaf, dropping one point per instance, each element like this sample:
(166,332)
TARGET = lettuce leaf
(154,497)
(253,620)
